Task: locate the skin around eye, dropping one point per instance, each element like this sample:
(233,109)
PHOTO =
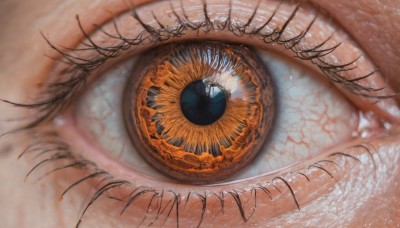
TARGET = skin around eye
(385,145)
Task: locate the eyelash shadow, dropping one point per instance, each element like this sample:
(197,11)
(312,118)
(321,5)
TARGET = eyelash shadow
(79,70)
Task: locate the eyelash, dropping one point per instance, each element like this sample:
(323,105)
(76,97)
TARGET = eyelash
(79,70)
(61,93)
(48,142)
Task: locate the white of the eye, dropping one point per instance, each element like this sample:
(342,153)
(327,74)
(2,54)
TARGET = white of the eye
(311,116)
(101,118)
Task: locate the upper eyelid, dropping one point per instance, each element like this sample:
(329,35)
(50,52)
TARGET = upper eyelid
(105,53)
(54,100)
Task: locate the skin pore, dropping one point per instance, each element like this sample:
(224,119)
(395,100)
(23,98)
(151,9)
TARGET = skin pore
(362,199)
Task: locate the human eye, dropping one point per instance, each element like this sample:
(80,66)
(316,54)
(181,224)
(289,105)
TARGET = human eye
(301,79)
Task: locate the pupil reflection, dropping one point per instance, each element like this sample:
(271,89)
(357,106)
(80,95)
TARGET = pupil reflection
(202,103)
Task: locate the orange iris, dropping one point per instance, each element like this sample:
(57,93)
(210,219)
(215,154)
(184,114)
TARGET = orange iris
(199,112)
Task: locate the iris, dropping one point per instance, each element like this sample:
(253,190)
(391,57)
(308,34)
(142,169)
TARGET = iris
(200,111)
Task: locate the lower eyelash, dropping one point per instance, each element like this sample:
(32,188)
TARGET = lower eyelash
(49,149)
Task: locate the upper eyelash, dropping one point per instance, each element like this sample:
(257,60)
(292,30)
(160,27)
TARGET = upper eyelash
(62,92)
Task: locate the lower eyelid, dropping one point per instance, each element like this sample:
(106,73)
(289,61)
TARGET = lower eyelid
(353,164)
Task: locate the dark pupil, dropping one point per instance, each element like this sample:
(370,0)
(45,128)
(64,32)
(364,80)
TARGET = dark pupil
(202,103)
